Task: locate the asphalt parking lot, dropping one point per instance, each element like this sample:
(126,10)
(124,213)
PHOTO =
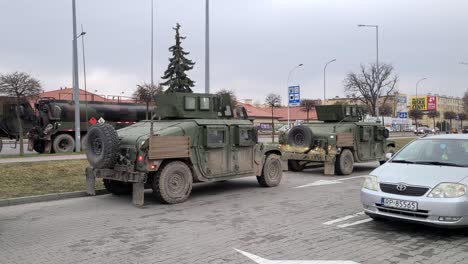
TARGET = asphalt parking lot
(229,222)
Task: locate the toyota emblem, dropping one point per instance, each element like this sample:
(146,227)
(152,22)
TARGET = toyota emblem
(401,187)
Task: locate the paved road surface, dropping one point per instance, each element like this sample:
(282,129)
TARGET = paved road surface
(318,222)
(43,158)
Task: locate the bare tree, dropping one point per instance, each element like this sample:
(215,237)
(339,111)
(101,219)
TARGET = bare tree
(450,115)
(465,102)
(145,93)
(307,105)
(273,101)
(462,116)
(371,83)
(231,94)
(415,114)
(433,115)
(21,86)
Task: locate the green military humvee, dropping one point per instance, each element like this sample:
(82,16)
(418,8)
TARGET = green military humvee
(197,138)
(338,141)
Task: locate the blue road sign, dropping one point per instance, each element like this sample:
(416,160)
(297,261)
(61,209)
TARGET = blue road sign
(402,114)
(294,95)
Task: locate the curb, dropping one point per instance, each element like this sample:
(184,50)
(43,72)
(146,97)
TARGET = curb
(47,197)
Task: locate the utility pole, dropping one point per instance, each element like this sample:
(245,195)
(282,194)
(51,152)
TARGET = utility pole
(152,71)
(207,47)
(84,73)
(76,89)
(324,80)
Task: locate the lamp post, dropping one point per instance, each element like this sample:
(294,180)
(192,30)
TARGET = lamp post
(152,60)
(377,59)
(76,89)
(417,107)
(207,46)
(84,73)
(324,80)
(287,86)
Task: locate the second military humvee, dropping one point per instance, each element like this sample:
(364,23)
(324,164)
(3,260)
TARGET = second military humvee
(196,138)
(338,141)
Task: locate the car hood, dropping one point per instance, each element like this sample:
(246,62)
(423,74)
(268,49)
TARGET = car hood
(417,174)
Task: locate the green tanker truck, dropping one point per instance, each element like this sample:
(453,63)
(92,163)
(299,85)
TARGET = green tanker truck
(9,127)
(54,130)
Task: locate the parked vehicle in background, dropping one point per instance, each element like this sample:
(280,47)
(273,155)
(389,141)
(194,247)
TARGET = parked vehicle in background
(9,128)
(54,130)
(425,182)
(421,130)
(464,129)
(454,130)
(197,138)
(340,140)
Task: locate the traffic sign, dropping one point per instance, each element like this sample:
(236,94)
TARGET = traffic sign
(294,95)
(402,114)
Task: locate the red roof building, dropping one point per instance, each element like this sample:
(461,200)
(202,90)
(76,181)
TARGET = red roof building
(296,114)
(67,94)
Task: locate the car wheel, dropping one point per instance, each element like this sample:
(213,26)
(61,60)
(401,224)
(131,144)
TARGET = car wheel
(272,171)
(63,143)
(294,165)
(102,146)
(173,183)
(117,187)
(344,163)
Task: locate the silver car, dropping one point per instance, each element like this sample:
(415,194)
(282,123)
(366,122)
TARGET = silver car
(425,182)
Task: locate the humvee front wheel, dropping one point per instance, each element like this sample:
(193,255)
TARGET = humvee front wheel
(63,143)
(272,172)
(344,163)
(173,183)
(294,165)
(39,146)
(117,187)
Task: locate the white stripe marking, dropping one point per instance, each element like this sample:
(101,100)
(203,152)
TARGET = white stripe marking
(327,182)
(356,223)
(343,218)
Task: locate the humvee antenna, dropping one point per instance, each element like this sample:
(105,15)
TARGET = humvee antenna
(152,117)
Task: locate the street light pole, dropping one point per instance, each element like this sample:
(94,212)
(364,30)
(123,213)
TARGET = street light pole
(377,60)
(76,89)
(324,80)
(207,46)
(84,74)
(152,60)
(417,107)
(287,86)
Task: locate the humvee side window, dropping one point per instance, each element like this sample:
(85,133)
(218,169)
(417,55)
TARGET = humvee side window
(228,111)
(354,111)
(348,111)
(189,103)
(204,103)
(365,133)
(215,137)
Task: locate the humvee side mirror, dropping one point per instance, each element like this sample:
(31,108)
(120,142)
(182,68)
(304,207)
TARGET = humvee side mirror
(389,155)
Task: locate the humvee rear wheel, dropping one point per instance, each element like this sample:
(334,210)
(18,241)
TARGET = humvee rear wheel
(294,165)
(117,187)
(63,143)
(102,146)
(173,183)
(344,162)
(272,172)
(39,146)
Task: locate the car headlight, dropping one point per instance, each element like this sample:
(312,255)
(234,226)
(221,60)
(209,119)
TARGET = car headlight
(370,183)
(448,190)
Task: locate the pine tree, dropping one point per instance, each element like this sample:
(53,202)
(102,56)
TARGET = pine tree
(177,79)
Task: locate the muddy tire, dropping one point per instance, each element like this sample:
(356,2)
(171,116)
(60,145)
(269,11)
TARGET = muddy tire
(294,165)
(102,144)
(39,146)
(300,136)
(83,143)
(344,163)
(272,172)
(63,143)
(117,187)
(173,183)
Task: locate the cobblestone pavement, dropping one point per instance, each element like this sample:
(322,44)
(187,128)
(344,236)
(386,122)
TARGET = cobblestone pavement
(43,158)
(317,222)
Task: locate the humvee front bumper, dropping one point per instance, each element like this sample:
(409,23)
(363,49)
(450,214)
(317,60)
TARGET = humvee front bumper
(138,180)
(314,156)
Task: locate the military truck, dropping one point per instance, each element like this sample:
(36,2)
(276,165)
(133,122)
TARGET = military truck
(54,130)
(338,141)
(196,138)
(9,128)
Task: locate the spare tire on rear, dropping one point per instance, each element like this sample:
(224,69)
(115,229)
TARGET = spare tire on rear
(300,136)
(102,146)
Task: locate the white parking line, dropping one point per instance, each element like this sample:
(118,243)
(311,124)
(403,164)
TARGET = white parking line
(356,223)
(327,182)
(343,218)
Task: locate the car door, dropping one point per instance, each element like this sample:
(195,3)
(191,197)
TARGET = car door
(216,160)
(365,147)
(242,148)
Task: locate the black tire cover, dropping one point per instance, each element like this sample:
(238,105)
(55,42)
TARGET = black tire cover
(102,146)
(300,136)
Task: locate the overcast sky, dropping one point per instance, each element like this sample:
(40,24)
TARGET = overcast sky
(254,43)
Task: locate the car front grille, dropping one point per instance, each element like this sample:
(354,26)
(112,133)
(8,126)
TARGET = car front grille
(409,190)
(419,213)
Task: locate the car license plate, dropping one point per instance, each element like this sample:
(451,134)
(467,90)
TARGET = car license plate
(400,204)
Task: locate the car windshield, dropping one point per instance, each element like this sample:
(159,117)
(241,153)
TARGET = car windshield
(446,152)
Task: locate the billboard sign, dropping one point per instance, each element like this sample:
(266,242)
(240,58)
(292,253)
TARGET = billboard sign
(431,103)
(294,95)
(418,103)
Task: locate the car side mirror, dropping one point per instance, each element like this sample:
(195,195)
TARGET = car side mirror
(389,155)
